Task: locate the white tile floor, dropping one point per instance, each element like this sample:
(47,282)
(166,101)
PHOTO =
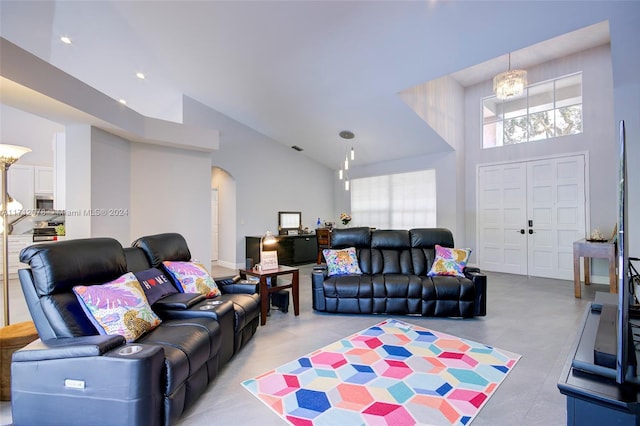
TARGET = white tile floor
(534,317)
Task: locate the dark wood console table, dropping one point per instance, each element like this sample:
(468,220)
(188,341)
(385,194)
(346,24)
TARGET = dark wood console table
(292,249)
(594,399)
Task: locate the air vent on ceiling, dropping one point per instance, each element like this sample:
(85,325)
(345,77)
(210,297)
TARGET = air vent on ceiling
(297,148)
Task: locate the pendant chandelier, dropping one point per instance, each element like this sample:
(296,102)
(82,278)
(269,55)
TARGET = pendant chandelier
(509,84)
(350,155)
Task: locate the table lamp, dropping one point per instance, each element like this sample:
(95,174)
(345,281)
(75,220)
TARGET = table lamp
(267,239)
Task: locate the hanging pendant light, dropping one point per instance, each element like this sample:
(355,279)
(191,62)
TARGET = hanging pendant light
(350,155)
(510,84)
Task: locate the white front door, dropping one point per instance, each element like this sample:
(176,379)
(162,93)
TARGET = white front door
(529,215)
(556,208)
(501,215)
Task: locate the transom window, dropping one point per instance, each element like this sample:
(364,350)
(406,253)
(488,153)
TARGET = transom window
(397,201)
(546,110)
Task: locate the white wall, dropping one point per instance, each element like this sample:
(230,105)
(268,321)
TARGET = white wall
(21,128)
(440,103)
(598,137)
(110,187)
(124,190)
(77,175)
(625,45)
(171,192)
(269,177)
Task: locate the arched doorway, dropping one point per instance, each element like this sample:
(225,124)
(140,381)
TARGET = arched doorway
(223,218)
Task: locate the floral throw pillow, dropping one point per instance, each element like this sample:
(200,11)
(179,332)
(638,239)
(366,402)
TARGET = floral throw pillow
(449,261)
(192,277)
(118,307)
(342,262)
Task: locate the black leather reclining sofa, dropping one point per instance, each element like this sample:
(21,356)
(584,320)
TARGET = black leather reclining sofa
(394,280)
(73,375)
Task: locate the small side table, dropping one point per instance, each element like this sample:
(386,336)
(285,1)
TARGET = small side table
(589,249)
(12,338)
(265,290)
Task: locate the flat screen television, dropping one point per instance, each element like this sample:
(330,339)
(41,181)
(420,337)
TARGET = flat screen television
(625,356)
(618,361)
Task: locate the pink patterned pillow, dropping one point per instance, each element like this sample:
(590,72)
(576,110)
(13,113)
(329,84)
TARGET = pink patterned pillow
(449,261)
(118,307)
(192,277)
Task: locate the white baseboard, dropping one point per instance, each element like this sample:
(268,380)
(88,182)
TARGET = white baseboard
(229,265)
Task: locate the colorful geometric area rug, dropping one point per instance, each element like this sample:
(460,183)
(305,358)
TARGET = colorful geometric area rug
(392,373)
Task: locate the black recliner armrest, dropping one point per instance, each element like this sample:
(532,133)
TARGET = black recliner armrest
(68,347)
(228,279)
(470,269)
(235,285)
(66,377)
(240,288)
(318,276)
(480,282)
(178,301)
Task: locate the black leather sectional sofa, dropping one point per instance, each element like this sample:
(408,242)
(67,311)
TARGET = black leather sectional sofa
(73,375)
(394,265)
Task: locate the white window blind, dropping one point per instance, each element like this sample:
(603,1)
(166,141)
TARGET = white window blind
(398,201)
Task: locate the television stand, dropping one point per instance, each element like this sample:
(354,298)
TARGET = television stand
(593,396)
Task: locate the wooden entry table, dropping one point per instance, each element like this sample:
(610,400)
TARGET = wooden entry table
(265,289)
(595,249)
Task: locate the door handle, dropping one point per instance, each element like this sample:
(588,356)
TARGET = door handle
(531,231)
(521,231)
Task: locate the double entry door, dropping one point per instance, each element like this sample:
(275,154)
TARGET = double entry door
(529,215)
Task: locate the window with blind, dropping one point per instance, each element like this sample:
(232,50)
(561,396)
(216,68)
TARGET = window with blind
(398,201)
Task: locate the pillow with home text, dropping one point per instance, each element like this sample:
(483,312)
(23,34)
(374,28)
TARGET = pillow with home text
(156,284)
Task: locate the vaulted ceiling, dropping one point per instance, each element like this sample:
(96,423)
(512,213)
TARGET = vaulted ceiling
(298,72)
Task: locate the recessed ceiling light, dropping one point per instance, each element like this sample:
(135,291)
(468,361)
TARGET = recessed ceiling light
(140,75)
(65,40)
(122,101)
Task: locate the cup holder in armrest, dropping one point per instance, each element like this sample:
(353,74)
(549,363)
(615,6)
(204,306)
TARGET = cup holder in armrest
(214,302)
(130,350)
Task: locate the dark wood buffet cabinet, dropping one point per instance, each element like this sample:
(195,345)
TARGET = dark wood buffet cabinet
(292,249)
